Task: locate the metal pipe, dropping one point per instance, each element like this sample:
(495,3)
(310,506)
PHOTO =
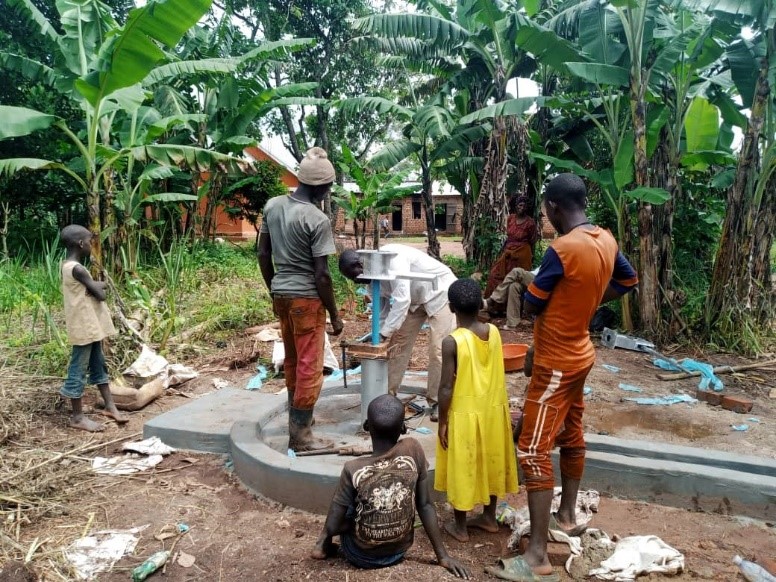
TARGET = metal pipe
(375,312)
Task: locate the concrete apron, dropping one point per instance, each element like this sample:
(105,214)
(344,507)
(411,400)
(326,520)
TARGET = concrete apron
(244,425)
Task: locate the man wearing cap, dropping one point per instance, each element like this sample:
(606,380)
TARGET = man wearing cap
(294,244)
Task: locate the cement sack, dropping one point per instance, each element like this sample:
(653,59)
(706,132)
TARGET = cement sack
(129,398)
(329,359)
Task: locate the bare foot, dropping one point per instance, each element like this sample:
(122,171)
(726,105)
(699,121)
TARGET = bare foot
(115,415)
(456,533)
(85,424)
(484,523)
(324,550)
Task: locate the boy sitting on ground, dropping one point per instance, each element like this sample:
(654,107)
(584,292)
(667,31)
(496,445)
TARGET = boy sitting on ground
(373,509)
(88,322)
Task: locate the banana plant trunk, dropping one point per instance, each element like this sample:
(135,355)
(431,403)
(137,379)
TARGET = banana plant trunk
(490,213)
(664,168)
(730,306)
(428,204)
(649,292)
(95,227)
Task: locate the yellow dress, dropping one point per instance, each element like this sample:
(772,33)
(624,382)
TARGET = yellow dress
(480,458)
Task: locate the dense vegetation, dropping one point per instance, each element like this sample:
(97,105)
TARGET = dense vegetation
(135,119)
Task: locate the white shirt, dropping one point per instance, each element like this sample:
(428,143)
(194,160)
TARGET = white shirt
(409,295)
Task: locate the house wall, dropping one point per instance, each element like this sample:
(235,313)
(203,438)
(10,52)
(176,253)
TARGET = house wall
(236,228)
(413,217)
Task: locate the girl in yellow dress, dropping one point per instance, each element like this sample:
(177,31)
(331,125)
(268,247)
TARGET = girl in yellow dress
(475,460)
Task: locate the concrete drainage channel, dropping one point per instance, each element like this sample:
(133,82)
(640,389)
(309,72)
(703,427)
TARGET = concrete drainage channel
(247,426)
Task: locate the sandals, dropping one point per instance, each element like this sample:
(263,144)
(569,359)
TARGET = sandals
(434,416)
(575,531)
(518,570)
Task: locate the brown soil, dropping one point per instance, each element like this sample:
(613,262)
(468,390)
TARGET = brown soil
(235,536)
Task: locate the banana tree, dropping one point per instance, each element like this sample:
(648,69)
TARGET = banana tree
(474,46)
(100,65)
(376,194)
(740,298)
(228,106)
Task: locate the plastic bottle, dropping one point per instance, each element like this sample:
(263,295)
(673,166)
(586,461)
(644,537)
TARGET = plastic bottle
(151,565)
(752,571)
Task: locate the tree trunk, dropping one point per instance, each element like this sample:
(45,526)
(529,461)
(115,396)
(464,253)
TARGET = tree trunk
(95,227)
(729,306)
(470,193)
(4,230)
(649,291)
(664,169)
(762,296)
(490,213)
(434,249)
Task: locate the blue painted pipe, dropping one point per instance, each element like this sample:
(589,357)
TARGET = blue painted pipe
(375,312)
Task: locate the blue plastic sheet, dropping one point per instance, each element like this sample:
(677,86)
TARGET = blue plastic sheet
(256,382)
(338,374)
(423,430)
(689,365)
(630,388)
(612,369)
(753,419)
(740,427)
(587,391)
(663,400)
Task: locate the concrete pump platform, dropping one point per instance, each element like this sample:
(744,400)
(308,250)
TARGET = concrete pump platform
(251,428)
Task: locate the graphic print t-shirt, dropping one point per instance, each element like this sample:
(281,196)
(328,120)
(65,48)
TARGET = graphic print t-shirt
(380,492)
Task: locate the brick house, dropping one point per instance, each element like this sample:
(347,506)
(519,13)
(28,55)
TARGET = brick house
(227,226)
(409,215)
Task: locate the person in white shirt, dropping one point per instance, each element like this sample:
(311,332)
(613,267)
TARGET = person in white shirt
(405,306)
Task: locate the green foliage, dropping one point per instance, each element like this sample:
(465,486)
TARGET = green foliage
(247,197)
(460,267)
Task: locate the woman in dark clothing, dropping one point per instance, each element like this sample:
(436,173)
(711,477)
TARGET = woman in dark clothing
(522,235)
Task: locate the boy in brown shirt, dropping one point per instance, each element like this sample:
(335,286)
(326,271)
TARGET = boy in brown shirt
(88,323)
(373,509)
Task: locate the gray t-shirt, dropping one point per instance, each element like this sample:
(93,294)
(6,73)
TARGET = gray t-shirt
(299,231)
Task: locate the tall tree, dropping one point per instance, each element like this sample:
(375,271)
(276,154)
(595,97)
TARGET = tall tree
(740,297)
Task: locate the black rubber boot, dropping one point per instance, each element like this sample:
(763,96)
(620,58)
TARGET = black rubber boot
(300,434)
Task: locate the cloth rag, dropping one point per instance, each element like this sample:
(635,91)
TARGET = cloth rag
(637,555)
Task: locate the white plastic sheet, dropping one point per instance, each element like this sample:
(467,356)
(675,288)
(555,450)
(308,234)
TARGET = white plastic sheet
(639,555)
(125,465)
(98,552)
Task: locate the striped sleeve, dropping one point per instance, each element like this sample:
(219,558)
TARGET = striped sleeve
(550,272)
(624,277)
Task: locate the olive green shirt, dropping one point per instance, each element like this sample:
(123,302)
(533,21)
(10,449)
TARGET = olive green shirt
(299,232)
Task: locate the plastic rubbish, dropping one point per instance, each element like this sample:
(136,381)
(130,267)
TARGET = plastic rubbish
(291,454)
(96,553)
(630,388)
(587,391)
(150,566)
(753,419)
(424,430)
(612,369)
(664,400)
(182,528)
(751,571)
(504,512)
(740,427)
(256,382)
(690,365)
(338,374)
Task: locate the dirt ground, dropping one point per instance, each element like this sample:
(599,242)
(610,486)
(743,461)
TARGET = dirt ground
(236,536)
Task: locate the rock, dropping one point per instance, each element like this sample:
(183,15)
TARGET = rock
(186,560)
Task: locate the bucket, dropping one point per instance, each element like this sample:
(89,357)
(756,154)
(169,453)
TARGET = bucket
(514,356)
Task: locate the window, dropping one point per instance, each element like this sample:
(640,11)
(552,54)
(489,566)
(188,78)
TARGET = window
(416,209)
